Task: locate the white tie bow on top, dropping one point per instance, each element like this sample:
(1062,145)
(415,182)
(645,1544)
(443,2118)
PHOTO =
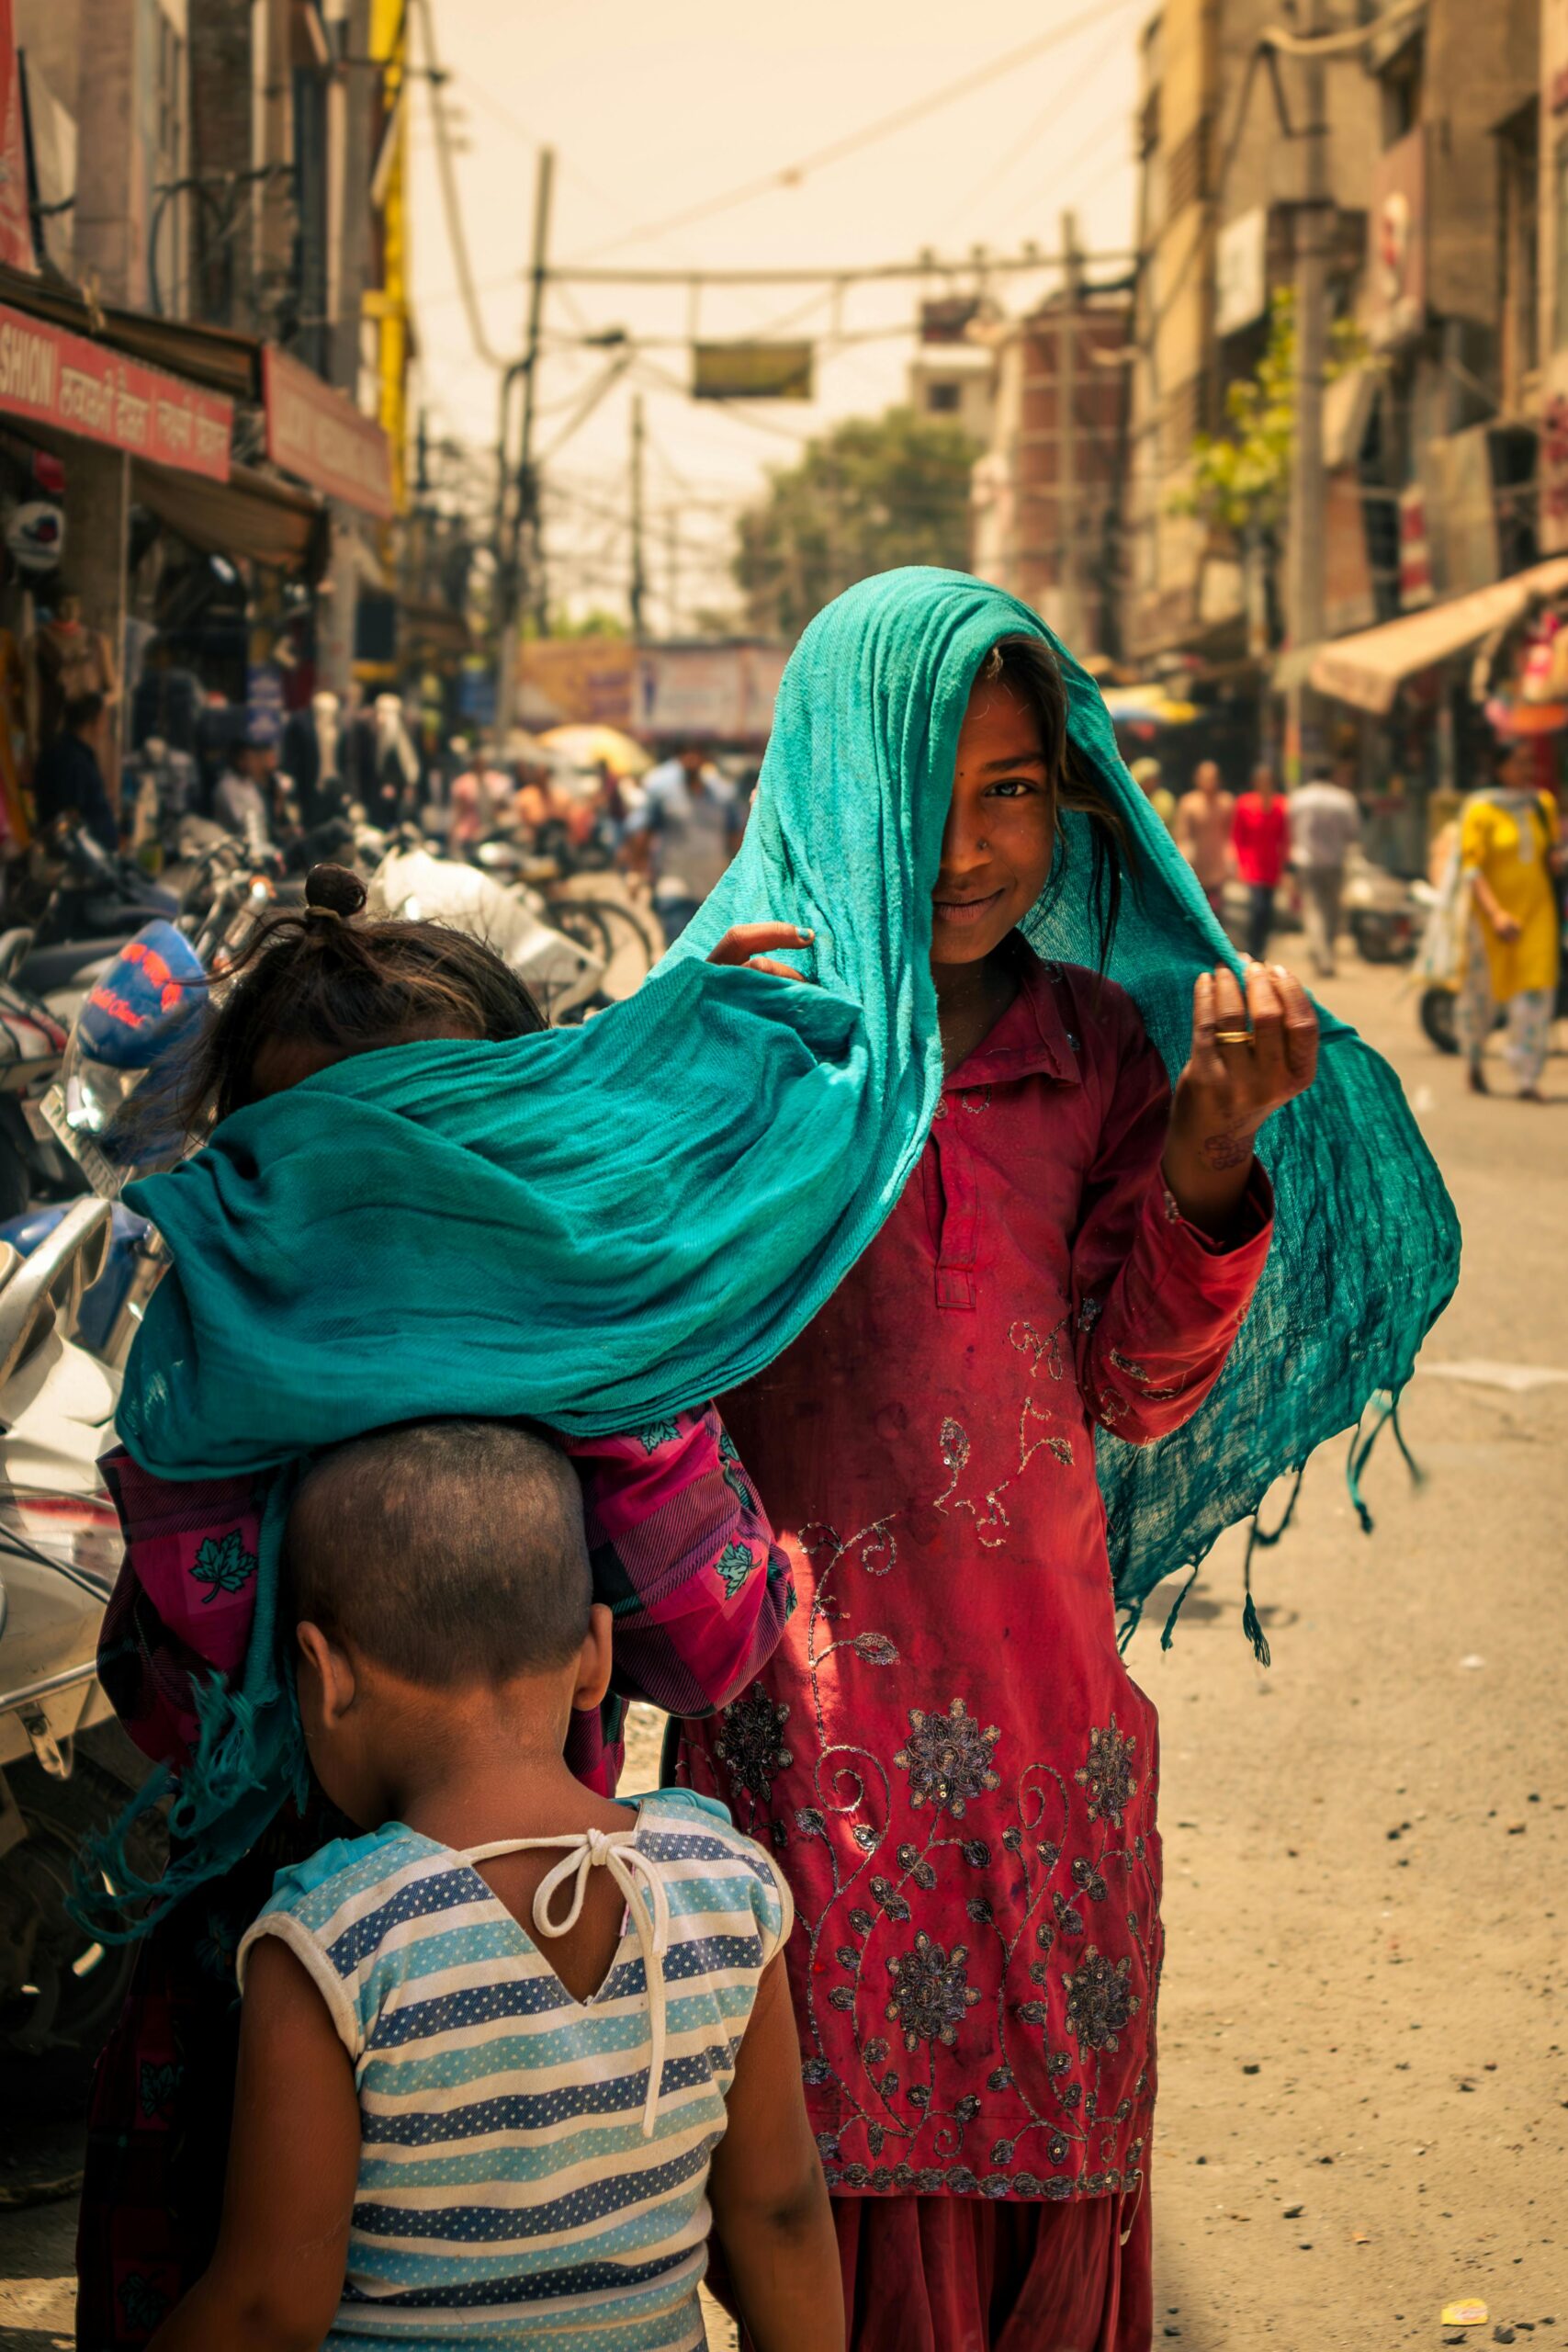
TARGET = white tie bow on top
(615,1851)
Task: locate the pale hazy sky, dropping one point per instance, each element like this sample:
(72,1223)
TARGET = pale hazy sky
(654,106)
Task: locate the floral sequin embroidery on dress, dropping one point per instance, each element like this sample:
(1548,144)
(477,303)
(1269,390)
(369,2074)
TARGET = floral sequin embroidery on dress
(1047,2035)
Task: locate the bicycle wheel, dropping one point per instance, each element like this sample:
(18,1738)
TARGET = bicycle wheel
(579,920)
(632,953)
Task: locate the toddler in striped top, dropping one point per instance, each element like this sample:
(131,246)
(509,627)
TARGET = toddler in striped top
(504,2060)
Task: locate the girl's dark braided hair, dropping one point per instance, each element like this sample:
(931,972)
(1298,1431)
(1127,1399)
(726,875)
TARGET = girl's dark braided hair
(320,976)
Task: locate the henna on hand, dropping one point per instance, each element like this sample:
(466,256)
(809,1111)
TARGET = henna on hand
(1230,1148)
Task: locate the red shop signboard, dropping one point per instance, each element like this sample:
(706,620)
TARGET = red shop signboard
(87,389)
(318,436)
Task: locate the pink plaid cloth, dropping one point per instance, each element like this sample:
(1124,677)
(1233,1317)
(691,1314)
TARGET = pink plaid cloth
(681,1549)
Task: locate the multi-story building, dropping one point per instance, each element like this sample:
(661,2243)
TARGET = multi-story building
(951,377)
(1446,165)
(1047,494)
(1219,173)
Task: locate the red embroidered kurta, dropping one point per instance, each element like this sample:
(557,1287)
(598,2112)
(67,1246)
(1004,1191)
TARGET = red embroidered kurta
(946,1750)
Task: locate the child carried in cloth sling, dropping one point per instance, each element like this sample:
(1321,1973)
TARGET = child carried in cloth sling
(681,1555)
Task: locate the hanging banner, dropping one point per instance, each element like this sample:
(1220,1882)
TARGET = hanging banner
(1397,231)
(752,371)
(1415,554)
(707,693)
(1241,271)
(15,221)
(84,388)
(1552,522)
(318,436)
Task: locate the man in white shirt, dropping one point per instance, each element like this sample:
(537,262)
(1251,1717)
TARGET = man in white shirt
(1325,824)
(690,820)
(242,799)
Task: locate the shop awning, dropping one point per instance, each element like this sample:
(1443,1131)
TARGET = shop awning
(250,516)
(1367,669)
(211,355)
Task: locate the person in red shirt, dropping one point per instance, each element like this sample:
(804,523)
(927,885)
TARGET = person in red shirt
(1260,837)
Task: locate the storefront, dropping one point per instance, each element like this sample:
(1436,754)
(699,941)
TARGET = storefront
(192,577)
(1425,698)
(93,439)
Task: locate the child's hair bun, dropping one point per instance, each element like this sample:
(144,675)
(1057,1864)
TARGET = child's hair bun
(333,891)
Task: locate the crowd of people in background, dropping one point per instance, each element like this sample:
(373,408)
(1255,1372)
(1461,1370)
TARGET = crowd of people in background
(1496,934)
(1259,855)
(1256,838)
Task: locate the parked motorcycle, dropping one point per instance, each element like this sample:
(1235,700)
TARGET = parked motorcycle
(1383,911)
(563,975)
(96,900)
(1438,1005)
(67,1769)
(32,1039)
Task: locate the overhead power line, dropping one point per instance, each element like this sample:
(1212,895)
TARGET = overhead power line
(1059,104)
(451,205)
(979,262)
(853,141)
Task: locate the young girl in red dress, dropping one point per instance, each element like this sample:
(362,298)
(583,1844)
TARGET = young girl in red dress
(945,1752)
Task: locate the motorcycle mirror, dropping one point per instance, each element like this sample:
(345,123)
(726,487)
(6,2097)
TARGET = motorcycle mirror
(49,1284)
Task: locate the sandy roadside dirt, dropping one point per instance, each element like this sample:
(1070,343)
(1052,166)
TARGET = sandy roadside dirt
(1364,2101)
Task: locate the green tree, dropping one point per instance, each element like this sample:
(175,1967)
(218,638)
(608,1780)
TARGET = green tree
(1241,478)
(873,492)
(593,623)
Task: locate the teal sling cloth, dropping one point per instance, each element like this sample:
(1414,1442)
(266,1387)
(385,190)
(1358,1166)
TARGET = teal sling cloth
(597,1227)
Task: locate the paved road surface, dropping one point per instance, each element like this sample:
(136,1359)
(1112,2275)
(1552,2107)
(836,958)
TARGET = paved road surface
(1364,2045)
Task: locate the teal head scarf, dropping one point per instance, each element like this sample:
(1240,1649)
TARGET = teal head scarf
(598,1227)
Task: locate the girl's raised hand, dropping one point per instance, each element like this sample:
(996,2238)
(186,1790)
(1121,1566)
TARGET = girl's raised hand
(1250,1054)
(747,943)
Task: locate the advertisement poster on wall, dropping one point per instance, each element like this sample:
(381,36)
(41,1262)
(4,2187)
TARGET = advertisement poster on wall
(1396,231)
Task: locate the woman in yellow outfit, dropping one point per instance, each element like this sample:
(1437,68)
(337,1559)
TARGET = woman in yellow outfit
(1507,849)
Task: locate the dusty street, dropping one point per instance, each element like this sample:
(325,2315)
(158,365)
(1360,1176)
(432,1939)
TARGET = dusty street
(1364,2106)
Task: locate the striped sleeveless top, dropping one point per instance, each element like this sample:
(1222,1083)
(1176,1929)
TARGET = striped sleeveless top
(529,2175)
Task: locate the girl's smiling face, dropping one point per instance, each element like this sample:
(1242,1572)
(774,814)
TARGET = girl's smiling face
(1000,830)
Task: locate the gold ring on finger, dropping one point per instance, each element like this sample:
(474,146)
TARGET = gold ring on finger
(1233,1036)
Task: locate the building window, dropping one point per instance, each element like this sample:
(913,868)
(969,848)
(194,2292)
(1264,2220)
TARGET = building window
(1402,78)
(1518,152)
(943,400)
(171,112)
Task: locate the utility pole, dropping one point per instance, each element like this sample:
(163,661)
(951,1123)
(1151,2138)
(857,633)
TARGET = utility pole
(639,577)
(515,570)
(1068,436)
(1314,223)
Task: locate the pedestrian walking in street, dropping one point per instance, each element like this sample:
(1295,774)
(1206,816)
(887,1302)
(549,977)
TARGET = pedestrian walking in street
(1145,775)
(687,826)
(1324,826)
(1260,840)
(244,798)
(498,2052)
(681,1551)
(1204,817)
(1509,845)
(69,778)
(482,795)
(946,1752)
